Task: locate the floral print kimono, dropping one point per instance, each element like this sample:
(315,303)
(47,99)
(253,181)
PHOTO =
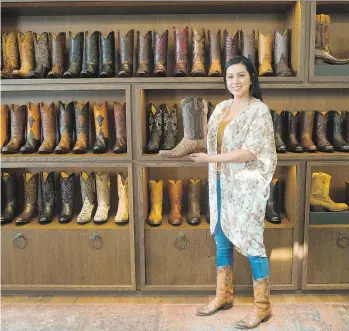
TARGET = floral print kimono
(244,186)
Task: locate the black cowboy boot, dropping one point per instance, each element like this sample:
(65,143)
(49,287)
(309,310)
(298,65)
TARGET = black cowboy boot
(335,126)
(160,54)
(107,55)
(67,193)
(320,132)
(272,211)
(8,182)
(90,55)
(155,122)
(76,46)
(42,56)
(170,127)
(143,54)
(57,55)
(48,197)
(291,134)
(278,120)
(126,54)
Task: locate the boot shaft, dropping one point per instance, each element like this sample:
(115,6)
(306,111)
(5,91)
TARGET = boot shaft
(33,121)
(192,111)
(9,185)
(194,194)
(66,119)
(4,125)
(156,195)
(120,127)
(122,187)
(10,51)
(58,49)
(181,51)
(160,53)
(318,33)
(215,54)
(248,45)
(126,47)
(292,123)
(103,187)
(30,188)
(321,119)
(107,47)
(326,25)
(264,47)
(317,185)
(155,120)
(306,123)
(26,49)
(335,123)
(175,192)
(231,44)
(48,118)
(17,121)
(67,188)
(42,54)
(143,53)
(198,46)
(100,113)
(87,182)
(82,123)
(281,53)
(47,181)
(170,126)
(90,55)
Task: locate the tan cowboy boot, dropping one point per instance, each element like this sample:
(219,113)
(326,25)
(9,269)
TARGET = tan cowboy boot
(175,192)
(4,125)
(261,311)
(48,118)
(26,53)
(121,216)
(198,64)
(224,293)
(194,190)
(156,195)
(103,197)
(10,54)
(215,69)
(264,54)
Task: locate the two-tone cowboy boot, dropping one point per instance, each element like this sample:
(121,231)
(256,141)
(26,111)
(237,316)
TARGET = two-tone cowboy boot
(122,215)
(66,180)
(248,45)
(194,195)
(26,53)
(198,63)
(42,56)
(143,54)
(215,69)
(10,54)
(126,54)
(82,126)
(100,114)
(160,53)
(57,55)
(321,119)
(103,197)
(272,213)
(90,55)
(281,65)
(181,52)
(265,45)
(175,193)
(156,196)
(76,47)
(120,128)
(170,127)
(66,127)
(33,129)
(335,125)
(231,44)
(4,125)
(306,125)
(8,185)
(87,183)
(49,128)
(47,180)
(293,144)
(278,122)
(107,45)
(155,128)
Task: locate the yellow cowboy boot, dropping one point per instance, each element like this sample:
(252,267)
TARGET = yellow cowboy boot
(264,54)
(155,216)
(175,192)
(4,125)
(26,53)
(9,53)
(122,213)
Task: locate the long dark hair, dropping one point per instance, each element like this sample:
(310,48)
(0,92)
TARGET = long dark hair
(255,90)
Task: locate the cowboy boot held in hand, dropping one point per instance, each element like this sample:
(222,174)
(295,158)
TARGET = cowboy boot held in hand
(215,69)
(198,63)
(278,122)
(265,45)
(170,127)
(47,197)
(90,55)
(126,54)
(33,129)
(66,180)
(48,118)
(8,184)
(181,52)
(231,44)
(87,182)
(194,194)
(120,128)
(272,212)
(26,53)
(143,54)
(4,125)
(335,132)
(156,196)
(321,141)
(57,55)
(175,193)
(306,124)
(281,54)
(100,114)
(122,216)
(66,127)
(103,197)
(10,54)
(42,56)
(107,49)
(76,47)
(155,128)
(82,126)
(160,54)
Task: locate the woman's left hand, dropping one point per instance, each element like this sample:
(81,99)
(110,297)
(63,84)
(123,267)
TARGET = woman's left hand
(200,157)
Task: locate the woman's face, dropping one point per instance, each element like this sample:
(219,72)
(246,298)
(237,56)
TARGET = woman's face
(238,80)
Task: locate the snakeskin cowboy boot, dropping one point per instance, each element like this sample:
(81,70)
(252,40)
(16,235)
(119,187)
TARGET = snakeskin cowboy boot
(122,216)
(57,55)
(33,129)
(160,54)
(103,197)
(156,196)
(66,180)
(231,44)
(48,117)
(120,128)
(47,196)
(8,184)
(66,127)
(10,54)
(87,182)
(42,56)
(170,127)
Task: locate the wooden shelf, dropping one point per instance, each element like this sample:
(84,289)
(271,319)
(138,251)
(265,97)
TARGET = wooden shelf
(329,226)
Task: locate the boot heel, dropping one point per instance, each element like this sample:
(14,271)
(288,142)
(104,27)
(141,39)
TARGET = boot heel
(317,208)
(227,306)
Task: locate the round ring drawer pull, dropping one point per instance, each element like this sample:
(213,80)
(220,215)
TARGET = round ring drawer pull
(95,241)
(181,241)
(19,241)
(343,241)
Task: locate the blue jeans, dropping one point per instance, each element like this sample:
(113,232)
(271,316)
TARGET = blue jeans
(224,248)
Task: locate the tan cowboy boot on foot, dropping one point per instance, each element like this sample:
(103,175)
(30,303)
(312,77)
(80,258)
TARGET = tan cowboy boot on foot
(224,293)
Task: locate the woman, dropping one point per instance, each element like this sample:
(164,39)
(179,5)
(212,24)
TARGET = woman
(242,160)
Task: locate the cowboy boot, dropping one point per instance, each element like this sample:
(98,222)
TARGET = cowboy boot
(66,127)
(156,195)
(272,213)
(278,120)
(82,126)
(215,54)
(194,114)
(120,128)
(143,54)
(26,53)
(194,193)
(57,55)
(170,127)
(198,65)
(47,196)
(160,54)
(90,55)
(87,182)
(103,197)
(224,293)
(210,110)
(121,216)
(4,126)
(207,194)
(264,54)
(107,45)
(33,129)
(281,54)
(175,192)
(126,54)
(248,45)
(323,52)
(319,194)
(42,56)
(10,54)
(8,183)
(68,196)
(306,124)
(17,129)
(181,52)
(48,117)
(30,198)
(346,126)
(100,114)
(291,134)
(321,141)
(261,311)
(155,128)
(76,47)
(335,124)
(347,191)
(231,44)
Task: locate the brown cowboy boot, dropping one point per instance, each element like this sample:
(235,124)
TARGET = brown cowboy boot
(320,130)
(181,52)
(66,127)
(27,55)
(57,55)
(10,54)
(120,128)
(264,54)
(126,54)
(33,129)
(42,56)
(160,54)
(306,123)
(231,44)
(100,114)
(121,216)
(4,126)
(156,196)
(82,126)
(198,65)
(175,192)
(107,45)
(248,45)
(194,194)
(48,117)
(215,54)
(143,54)
(281,54)
(261,311)
(224,293)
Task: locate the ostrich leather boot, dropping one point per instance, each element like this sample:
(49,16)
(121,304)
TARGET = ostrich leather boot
(265,45)
(261,310)
(4,125)
(33,129)
(319,194)
(181,52)
(103,197)
(231,44)
(66,180)
(291,134)
(48,117)
(322,143)
(42,56)
(281,54)
(120,128)
(155,128)
(198,64)
(278,122)
(100,114)
(224,293)
(170,127)
(8,184)
(248,45)
(107,48)
(306,125)
(76,47)
(26,53)
(17,129)
(272,211)
(175,192)
(126,54)
(156,196)
(90,55)
(215,69)
(335,132)
(30,198)
(194,194)
(57,55)
(121,216)
(194,114)
(82,126)
(346,126)
(160,54)
(66,127)
(47,197)
(143,54)
(87,183)
(9,53)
